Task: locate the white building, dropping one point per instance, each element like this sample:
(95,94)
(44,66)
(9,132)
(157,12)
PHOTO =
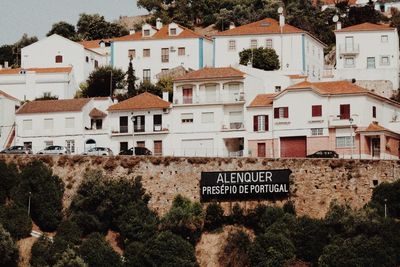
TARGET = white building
(157,49)
(31,83)
(8,105)
(299,52)
(78,124)
(369,53)
(141,121)
(57,51)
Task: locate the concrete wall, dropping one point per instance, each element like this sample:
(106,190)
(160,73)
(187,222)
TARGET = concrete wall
(314,183)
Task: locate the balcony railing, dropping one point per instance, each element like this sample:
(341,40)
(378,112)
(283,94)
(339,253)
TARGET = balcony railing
(236,154)
(123,129)
(343,121)
(157,128)
(139,128)
(187,100)
(349,49)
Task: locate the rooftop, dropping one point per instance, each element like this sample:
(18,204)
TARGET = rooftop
(212,73)
(143,101)
(367,27)
(93,43)
(5,95)
(52,106)
(37,70)
(330,88)
(262,100)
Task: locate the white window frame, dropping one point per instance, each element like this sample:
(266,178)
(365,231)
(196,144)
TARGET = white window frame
(187,117)
(232,45)
(368,66)
(384,38)
(70,123)
(253,44)
(344,141)
(388,61)
(269,43)
(70,144)
(207,117)
(346,65)
(48,124)
(317,131)
(27,125)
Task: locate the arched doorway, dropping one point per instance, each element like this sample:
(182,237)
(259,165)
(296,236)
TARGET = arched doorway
(90,143)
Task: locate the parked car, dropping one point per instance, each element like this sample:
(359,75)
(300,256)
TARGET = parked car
(16,150)
(324,154)
(99,151)
(139,151)
(55,150)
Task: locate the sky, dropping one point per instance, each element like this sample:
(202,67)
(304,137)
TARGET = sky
(35,17)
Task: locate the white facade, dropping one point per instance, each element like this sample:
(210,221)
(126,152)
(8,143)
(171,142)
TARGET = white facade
(57,51)
(298,51)
(368,55)
(28,84)
(7,119)
(161,51)
(75,130)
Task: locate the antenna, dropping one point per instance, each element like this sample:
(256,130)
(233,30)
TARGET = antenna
(335,18)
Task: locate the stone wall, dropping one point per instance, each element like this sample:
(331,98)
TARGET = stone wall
(314,182)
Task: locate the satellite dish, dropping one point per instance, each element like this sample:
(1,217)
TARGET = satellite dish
(335,18)
(280,10)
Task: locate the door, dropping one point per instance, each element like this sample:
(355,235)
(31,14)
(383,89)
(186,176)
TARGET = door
(123,124)
(293,147)
(261,150)
(157,148)
(376,147)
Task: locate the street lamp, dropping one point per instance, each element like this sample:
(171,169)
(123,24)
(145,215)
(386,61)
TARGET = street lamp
(351,136)
(385,208)
(29,203)
(133,119)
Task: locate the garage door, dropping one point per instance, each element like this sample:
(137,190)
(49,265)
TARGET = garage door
(197,147)
(293,147)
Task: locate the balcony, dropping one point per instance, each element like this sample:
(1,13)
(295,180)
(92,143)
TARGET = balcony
(139,128)
(338,121)
(349,49)
(233,126)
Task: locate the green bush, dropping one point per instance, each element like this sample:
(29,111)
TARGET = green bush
(390,192)
(237,216)
(70,259)
(260,58)
(262,217)
(214,217)
(40,253)
(8,249)
(69,231)
(16,221)
(289,207)
(235,252)
(9,179)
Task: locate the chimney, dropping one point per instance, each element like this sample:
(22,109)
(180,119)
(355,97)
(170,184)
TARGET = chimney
(281,20)
(232,26)
(165,96)
(338,25)
(6,64)
(159,24)
(132,31)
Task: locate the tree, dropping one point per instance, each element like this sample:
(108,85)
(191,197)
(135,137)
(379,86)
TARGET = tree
(40,252)
(150,88)
(12,52)
(260,58)
(16,221)
(389,194)
(235,252)
(9,179)
(70,259)
(131,80)
(8,249)
(263,217)
(64,29)
(93,27)
(166,84)
(100,80)
(214,217)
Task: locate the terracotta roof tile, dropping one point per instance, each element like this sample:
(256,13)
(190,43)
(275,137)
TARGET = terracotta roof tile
(262,100)
(37,70)
(367,27)
(4,94)
(265,26)
(297,76)
(212,73)
(330,88)
(94,43)
(375,127)
(160,35)
(51,106)
(143,101)
(96,113)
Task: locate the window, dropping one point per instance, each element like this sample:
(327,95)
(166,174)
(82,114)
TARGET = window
(164,55)
(123,124)
(69,123)
(59,59)
(344,141)
(345,112)
(268,43)
(140,144)
(157,122)
(232,45)
(146,52)
(211,93)
(158,148)
(187,95)
(187,117)
(96,124)
(370,62)
(260,123)
(123,146)
(278,88)
(316,111)
(234,92)
(27,125)
(317,131)
(385,60)
(384,38)
(172,31)
(146,75)
(28,145)
(236,120)
(131,53)
(349,44)
(373,112)
(281,112)
(96,64)
(146,32)
(181,51)
(349,62)
(70,144)
(48,124)
(207,117)
(87,59)
(139,124)
(164,70)
(253,44)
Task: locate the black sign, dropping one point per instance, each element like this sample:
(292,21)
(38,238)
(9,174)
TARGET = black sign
(244,185)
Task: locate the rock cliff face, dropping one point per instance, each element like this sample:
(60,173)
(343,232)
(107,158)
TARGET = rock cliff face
(314,182)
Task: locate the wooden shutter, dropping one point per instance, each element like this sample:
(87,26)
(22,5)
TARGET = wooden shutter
(276,113)
(345,112)
(373,112)
(316,111)
(266,123)
(255,123)
(286,112)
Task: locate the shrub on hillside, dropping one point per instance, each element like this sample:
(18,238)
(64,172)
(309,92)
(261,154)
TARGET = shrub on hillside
(389,192)
(70,259)
(237,215)
(235,252)
(262,217)
(8,249)
(214,218)
(9,179)
(16,221)
(69,231)
(40,253)
(289,207)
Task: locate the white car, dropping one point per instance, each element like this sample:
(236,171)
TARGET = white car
(55,150)
(99,151)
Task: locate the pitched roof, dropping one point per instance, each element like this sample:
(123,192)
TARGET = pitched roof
(143,101)
(212,73)
(265,26)
(367,27)
(297,76)
(262,100)
(161,34)
(51,106)
(375,127)
(37,70)
(4,94)
(94,43)
(330,88)
(97,113)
